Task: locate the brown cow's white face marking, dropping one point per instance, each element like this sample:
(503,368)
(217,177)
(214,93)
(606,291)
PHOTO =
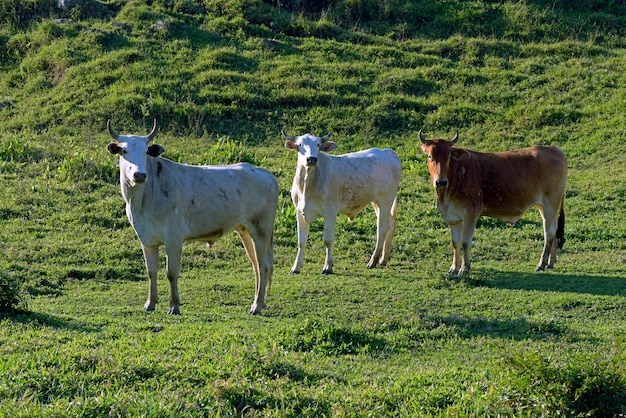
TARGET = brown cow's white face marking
(308,147)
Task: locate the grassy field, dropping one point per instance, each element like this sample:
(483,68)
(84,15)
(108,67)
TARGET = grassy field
(223,78)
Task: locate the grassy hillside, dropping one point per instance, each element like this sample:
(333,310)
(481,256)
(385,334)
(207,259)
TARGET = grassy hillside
(223,78)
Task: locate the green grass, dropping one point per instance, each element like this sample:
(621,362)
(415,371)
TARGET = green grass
(223,78)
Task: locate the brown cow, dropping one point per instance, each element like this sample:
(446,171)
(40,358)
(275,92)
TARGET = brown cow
(500,185)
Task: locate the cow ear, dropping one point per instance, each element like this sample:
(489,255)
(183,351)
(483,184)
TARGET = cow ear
(328,146)
(155,150)
(114,148)
(459,154)
(291,145)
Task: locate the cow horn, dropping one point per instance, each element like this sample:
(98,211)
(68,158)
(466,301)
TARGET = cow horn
(456,137)
(421,136)
(154,130)
(326,137)
(111,131)
(293,138)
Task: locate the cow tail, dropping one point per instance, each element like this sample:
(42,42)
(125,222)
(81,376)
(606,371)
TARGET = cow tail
(560,230)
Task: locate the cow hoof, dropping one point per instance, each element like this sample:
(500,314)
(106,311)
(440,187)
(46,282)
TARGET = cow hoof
(293,271)
(149,307)
(256,310)
(540,268)
(327,271)
(173,311)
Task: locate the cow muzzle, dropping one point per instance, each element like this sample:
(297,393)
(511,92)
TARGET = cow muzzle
(441,184)
(311,161)
(139,177)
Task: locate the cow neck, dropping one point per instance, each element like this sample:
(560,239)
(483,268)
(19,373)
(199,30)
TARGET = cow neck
(458,178)
(310,177)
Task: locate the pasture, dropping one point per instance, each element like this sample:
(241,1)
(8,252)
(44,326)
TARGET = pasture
(223,78)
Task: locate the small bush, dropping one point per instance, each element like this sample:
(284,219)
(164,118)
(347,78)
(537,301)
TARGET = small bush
(10,293)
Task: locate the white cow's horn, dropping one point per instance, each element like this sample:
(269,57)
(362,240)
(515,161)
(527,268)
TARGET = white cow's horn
(288,136)
(325,138)
(111,131)
(153,132)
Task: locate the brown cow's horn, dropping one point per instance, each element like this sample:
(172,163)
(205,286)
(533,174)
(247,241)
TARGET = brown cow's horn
(288,136)
(154,130)
(421,136)
(111,131)
(456,137)
(325,138)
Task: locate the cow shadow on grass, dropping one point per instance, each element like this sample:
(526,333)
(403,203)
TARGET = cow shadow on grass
(513,328)
(550,282)
(432,329)
(42,320)
(520,328)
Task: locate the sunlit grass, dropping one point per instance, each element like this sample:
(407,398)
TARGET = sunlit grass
(223,79)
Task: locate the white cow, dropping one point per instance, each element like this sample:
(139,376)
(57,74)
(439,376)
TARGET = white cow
(169,203)
(326,185)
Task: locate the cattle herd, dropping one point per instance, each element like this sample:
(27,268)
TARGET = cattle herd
(168,203)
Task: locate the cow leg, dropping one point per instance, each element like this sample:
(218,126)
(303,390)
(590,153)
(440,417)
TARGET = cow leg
(260,254)
(390,233)
(266,271)
(456,230)
(379,240)
(383,215)
(151,258)
(303,234)
(330,219)
(173,253)
(248,245)
(550,224)
(469,225)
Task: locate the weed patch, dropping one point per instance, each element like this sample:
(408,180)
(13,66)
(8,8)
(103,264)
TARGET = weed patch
(315,336)
(580,386)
